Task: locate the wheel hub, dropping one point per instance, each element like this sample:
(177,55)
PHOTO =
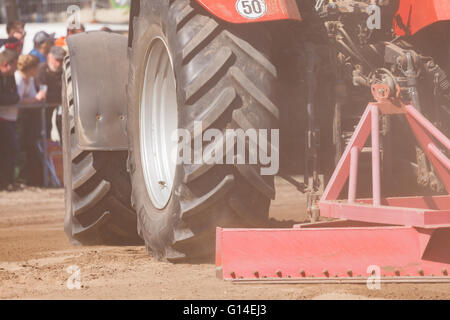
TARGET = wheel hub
(158,123)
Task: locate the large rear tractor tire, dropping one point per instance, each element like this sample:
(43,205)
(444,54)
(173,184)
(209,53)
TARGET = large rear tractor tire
(97,187)
(187,66)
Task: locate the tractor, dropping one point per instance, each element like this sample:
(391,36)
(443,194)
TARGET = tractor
(303,68)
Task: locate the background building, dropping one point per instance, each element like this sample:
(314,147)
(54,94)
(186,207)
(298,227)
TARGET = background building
(114,11)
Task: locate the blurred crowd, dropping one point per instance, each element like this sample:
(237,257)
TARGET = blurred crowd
(28,79)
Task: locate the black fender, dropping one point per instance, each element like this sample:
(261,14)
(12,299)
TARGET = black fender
(99,71)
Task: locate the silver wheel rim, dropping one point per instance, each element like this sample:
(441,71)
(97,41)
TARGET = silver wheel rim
(158,121)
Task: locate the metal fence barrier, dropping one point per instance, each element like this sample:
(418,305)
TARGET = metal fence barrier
(48,171)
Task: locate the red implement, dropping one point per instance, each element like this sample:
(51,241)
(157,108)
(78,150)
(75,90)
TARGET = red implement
(342,252)
(398,239)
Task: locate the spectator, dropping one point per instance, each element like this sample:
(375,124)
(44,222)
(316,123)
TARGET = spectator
(50,74)
(28,68)
(106,29)
(8,117)
(16,29)
(72,31)
(42,45)
(27,71)
(16,36)
(12,44)
(8,89)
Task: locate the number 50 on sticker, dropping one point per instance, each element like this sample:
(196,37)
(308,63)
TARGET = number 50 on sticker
(251,9)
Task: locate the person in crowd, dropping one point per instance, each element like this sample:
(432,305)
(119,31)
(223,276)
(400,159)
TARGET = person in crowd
(50,74)
(8,89)
(16,29)
(27,71)
(28,68)
(8,117)
(106,29)
(61,42)
(16,36)
(42,45)
(12,44)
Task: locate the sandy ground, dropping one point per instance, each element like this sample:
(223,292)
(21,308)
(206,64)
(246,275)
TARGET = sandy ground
(35,256)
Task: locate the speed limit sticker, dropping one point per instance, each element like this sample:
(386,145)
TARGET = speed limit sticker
(251,9)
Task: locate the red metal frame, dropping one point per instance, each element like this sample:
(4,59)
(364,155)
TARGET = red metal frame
(405,237)
(418,14)
(276,10)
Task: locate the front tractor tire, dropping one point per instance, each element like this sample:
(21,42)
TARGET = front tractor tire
(187,66)
(97,186)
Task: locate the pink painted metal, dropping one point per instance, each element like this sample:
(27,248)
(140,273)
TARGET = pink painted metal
(424,132)
(376,171)
(353,179)
(439,136)
(329,252)
(407,236)
(427,134)
(341,173)
(407,216)
(419,202)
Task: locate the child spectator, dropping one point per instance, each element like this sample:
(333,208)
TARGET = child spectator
(8,117)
